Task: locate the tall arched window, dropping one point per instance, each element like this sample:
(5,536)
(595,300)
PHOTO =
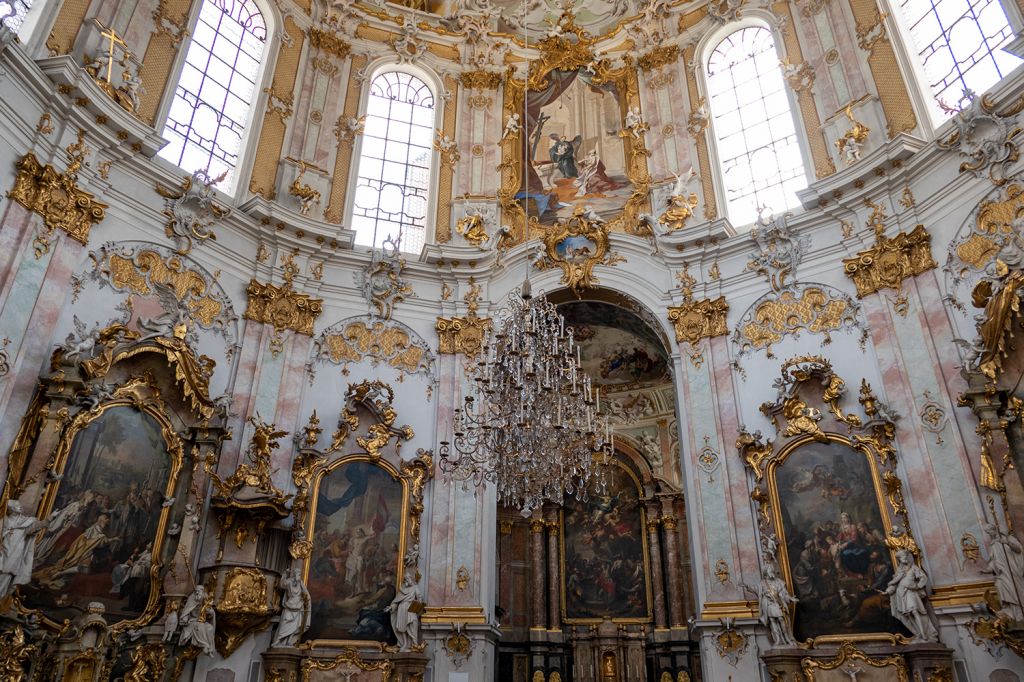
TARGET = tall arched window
(753,125)
(215,92)
(959,44)
(392,184)
(12,13)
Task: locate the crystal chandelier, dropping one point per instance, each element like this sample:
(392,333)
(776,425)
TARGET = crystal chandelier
(532,424)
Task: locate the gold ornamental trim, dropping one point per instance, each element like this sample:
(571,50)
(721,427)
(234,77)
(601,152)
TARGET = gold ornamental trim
(813,310)
(960,594)
(377,340)
(578,263)
(462,335)
(701,319)
(480,79)
(450,614)
(713,610)
(282,307)
(242,609)
(658,57)
(892,259)
(348,657)
(56,197)
(849,652)
(329,42)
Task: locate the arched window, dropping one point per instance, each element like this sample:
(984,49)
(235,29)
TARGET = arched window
(959,44)
(392,184)
(215,92)
(12,13)
(753,125)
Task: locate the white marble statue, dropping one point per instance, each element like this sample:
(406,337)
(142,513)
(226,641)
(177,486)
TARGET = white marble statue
(774,599)
(295,610)
(171,621)
(1006,566)
(907,597)
(405,619)
(512,126)
(198,621)
(17,548)
(635,122)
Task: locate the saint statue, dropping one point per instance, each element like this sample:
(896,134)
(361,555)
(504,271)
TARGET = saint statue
(907,596)
(405,610)
(295,610)
(1006,566)
(774,600)
(198,621)
(16,550)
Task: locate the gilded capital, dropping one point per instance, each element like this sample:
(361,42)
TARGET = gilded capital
(282,307)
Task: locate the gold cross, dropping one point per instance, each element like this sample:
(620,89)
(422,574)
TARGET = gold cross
(114,39)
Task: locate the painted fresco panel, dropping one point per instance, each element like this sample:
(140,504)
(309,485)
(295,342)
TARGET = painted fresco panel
(604,573)
(356,542)
(98,545)
(834,537)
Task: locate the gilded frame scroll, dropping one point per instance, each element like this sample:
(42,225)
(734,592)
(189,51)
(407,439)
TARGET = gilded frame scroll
(648,589)
(572,50)
(142,394)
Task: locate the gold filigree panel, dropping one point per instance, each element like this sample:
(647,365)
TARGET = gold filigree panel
(378,341)
(813,309)
(895,664)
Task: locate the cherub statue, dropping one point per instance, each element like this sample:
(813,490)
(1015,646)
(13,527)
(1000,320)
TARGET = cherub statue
(852,141)
(512,126)
(173,322)
(131,88)
(81,341)
(635,124)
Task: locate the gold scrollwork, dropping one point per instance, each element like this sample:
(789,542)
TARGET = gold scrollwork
(282,307)
(813,310)
(242,608)
(56,196)
(148,663)
(658,57)
(578,263)
(892,259)
(348,658)
(390,342)
(700,319)
(463,335)
(15,650)
(329,42)
(480,79)
(849,652)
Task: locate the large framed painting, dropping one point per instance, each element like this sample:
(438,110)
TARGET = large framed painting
(832,524)
(574,148)
(107,516)
(358,539)
(604,553)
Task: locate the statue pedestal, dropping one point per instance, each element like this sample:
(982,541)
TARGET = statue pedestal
(409,666)
(288,664)
(877,661)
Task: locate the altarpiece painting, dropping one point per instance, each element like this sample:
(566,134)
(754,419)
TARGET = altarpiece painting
(604,553)
(106,519)
(357,538)
(834,533)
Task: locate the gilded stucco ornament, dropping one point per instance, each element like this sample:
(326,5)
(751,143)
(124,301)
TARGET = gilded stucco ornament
(347,664)
(464,335)
(191,210)
(457,644)
(730,644)
(577,244)
(391,342)
(799,76)
(473,226)
(891,260)
(148,663)
(893,664)
(15,652)
(853,140)
(381,281)
(694,319)
(248,500)
(303,192)
(282,306)
(791,307)
(679,207)
(243,609)
(56,196)
(348,128)
(986,137)
(447,147)
(481,79)
(324,37)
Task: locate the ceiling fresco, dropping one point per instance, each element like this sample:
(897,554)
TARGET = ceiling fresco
(618,349)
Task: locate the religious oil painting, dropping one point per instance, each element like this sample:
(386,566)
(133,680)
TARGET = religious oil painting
(576,156)
(98,545)
(603,552)
(834,538)
(356,537)
(618,349)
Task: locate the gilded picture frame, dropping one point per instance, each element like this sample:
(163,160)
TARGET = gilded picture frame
(641,530)
(141,394)
(833,520)
(571,51)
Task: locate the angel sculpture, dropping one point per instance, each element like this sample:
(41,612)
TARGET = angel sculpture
(80,342)
(173,322)
(512,126)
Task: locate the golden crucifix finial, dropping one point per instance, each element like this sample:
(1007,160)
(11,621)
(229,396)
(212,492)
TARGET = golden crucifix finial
(114,39)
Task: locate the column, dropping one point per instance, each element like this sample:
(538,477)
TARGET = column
(654,547)
(554,579)
(537,615)
(675,604)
